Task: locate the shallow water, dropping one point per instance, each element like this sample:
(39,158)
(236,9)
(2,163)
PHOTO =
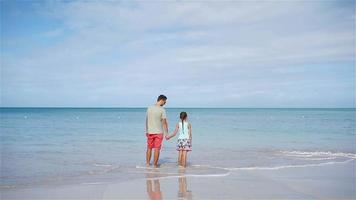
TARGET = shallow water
(50,145)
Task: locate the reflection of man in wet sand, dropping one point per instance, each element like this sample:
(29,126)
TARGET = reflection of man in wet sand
(153,186)
(183,192)
(154,189)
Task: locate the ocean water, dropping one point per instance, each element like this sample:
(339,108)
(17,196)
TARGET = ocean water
(54,145)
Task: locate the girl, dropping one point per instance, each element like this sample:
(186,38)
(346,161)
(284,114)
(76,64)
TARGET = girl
(184,143)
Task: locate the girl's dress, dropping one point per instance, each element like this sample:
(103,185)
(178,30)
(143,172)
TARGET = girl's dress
(184,142)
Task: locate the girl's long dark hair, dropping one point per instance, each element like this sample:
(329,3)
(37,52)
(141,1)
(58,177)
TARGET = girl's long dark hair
(183,116)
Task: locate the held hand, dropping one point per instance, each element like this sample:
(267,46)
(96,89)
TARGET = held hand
(167,137)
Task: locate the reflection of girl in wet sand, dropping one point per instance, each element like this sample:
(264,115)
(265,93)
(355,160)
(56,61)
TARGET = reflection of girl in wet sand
(183,192)
(184,143)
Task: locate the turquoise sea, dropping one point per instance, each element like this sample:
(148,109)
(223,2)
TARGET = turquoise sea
(55,145)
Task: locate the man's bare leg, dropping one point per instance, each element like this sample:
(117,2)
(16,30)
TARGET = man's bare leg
(148,156)
(149,186)
(156,156)
(157,185)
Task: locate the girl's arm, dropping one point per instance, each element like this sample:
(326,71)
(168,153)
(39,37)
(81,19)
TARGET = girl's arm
(190,131)
(174,132)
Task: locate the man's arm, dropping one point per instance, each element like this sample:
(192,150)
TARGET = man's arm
(174,132)
(165,126)
(146,125)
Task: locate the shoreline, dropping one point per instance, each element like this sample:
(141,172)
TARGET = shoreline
(322,182)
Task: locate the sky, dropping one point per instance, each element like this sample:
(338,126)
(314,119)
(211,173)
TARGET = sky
(197,53)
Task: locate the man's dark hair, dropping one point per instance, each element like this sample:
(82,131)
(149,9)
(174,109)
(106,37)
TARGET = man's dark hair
(161,97)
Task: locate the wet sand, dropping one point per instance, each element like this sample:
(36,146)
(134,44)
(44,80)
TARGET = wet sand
(337,181)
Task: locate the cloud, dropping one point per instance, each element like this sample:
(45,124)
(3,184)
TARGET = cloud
(53,33)
(215,51)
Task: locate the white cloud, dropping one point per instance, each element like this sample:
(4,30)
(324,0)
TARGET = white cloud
(142,48)
(53,33)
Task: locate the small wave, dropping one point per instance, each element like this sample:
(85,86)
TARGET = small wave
(144,167)
(289,166)
(275,167)
(93,183)
(190,171)
(7,186)
(190,175)
(328,158)
(102,165)
(162,166)
(104,168)
(228,170)
(319,154)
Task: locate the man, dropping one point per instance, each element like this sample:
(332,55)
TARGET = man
(156,126)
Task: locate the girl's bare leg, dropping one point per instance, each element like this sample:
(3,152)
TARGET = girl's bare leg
(184,158)
(180,158)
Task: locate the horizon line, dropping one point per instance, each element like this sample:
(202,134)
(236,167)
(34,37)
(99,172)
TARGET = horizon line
(91,107)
